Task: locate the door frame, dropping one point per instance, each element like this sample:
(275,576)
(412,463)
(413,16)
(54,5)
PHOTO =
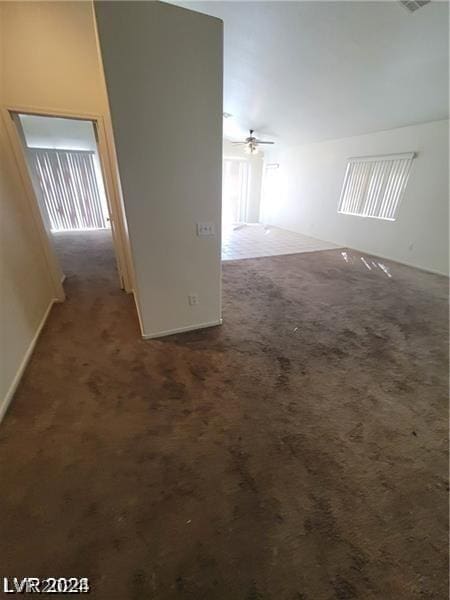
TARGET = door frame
(109,170)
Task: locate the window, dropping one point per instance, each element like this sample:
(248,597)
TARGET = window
(374,185)
(70,188)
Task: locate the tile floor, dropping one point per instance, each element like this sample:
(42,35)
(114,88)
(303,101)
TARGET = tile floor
(254,240)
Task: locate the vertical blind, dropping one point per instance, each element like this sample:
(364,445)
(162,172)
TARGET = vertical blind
(374,185)
(70,189)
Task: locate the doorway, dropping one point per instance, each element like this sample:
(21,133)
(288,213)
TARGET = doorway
(241,203)
(63,162)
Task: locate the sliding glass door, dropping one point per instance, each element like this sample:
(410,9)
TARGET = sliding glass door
(235,191)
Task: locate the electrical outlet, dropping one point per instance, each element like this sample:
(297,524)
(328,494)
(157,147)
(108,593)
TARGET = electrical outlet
(206,229)
(193,299)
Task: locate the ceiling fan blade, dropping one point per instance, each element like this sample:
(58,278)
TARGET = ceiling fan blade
(261,142)
(238,143)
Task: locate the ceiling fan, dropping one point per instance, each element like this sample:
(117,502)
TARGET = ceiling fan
(251,143)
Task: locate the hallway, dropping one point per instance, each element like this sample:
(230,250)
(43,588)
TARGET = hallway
(237,462)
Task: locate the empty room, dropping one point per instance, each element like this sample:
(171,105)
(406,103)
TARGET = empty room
(224,251)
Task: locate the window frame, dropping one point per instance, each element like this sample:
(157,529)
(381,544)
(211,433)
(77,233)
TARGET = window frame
(375,192)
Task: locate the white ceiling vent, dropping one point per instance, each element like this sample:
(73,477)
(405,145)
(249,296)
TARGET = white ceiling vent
(413,5)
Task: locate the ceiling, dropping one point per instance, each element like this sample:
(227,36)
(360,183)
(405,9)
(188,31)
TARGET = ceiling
(300,72)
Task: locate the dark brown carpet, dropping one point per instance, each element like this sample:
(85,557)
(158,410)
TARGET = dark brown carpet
(298,452)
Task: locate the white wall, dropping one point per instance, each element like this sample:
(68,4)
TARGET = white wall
(51,58)
(52,64)
(26,290)
(256,163)
(310,180)
(163,68)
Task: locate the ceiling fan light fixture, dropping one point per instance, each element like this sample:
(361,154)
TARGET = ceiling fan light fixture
(251,143)
(251,148)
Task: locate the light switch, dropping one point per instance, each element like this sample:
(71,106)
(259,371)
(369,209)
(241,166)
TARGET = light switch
(206,229)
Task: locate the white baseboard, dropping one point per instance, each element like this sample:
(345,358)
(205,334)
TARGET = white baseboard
(397,261)
(151,336)
(138,310)
(20,371)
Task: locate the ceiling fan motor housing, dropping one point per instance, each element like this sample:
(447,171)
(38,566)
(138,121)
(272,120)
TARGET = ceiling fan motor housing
(252,143)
